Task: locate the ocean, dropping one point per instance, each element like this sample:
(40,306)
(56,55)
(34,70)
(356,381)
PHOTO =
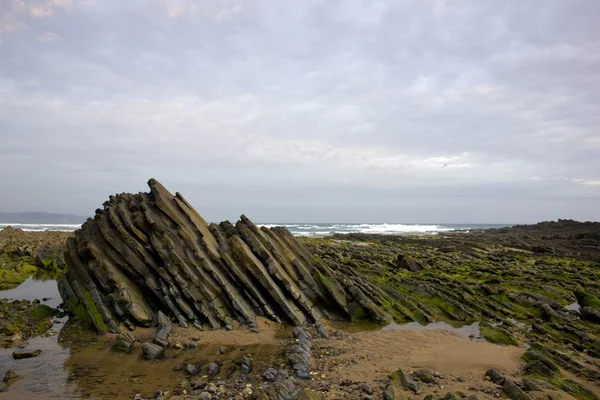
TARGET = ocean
(314,229)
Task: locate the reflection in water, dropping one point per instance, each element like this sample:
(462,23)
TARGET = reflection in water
(41,374)
(573,307)
(78,364)
(33,288)
(466,331)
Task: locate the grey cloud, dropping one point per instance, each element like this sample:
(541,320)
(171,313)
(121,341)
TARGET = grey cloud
(353,109)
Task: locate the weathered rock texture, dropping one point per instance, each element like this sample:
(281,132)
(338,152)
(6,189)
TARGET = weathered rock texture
(150,252)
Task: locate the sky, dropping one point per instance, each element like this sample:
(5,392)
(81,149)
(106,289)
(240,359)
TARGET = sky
(305,111)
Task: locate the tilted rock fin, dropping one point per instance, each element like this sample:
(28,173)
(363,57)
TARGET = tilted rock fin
(152,252)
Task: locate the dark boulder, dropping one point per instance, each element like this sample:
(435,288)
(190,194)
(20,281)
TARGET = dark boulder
(407,263)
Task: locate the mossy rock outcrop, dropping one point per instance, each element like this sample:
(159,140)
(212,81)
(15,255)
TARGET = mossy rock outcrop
(150,252)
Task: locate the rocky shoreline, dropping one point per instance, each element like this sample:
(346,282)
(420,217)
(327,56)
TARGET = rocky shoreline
(23,254)
(533,291)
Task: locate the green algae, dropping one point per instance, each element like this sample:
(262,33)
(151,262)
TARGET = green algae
(14,271)
(587,299)
(533,354)
(497,336)
(577,390)
(87,312)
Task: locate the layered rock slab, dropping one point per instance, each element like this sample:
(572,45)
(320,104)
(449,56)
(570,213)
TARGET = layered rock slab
(150,252)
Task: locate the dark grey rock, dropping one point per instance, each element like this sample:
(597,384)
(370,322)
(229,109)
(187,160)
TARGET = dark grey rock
(164,322)
(495,376)
(161,337)
(424,376)
(20,354)
(513,391)
(152,351)
(538,367)
(530,385)
(212,370)
(404,379)
(300,334)
(367,389)
(590,314)
(388,394)
(271,375)
(191,369)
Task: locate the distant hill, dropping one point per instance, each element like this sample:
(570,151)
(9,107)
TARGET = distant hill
(41,218)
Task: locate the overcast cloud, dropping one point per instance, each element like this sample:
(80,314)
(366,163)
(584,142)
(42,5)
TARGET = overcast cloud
(305,111)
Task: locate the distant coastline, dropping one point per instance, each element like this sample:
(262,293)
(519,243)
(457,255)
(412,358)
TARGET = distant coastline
(39,222)
(40,218)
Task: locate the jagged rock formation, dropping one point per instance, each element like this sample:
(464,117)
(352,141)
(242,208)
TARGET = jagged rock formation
(150,252)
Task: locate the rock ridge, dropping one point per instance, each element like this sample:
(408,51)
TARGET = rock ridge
(149,253)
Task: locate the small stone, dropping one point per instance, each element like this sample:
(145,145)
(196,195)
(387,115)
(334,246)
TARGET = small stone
(178,367)
(246,392)
(211,388)
(18,355)
(271,375)
(124,342)
(191,369)
(152,351)
(405,380)
(212,369)
(178,345)
(205,396)
(495,376)
(10,376)
(367,389)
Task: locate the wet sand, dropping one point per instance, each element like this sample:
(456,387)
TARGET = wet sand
(371,356)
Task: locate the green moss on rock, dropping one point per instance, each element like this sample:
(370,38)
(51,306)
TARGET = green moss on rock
(13,273)
(497,336)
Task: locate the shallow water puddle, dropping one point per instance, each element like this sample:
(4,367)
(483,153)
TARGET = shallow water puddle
(466,331)
(573,307)
(34,288)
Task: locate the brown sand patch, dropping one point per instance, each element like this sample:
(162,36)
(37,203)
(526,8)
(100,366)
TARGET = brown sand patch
(371,356)
(436,350)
